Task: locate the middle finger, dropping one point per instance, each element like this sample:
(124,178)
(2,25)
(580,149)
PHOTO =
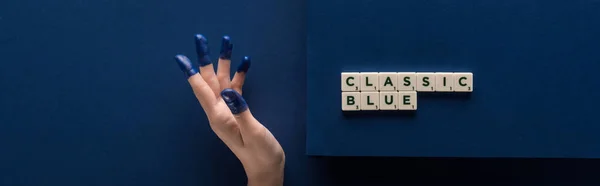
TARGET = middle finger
(206,67)
(223,69)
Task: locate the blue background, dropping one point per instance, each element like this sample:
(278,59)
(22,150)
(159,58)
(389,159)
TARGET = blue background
(90,95)
(534,66)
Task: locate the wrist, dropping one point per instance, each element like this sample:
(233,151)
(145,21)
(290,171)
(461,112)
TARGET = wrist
(271,180)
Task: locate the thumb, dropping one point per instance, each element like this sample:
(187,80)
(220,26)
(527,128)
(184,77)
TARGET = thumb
(239,108)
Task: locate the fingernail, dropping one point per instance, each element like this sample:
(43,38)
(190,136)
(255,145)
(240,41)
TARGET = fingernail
(226,48)
(234,101)
(202,50)
(245,65)
(185,65)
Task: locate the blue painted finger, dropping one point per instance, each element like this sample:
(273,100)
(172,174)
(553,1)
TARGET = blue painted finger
(245,65)
(226,48)
(202,50)
(234,101)
(185,65)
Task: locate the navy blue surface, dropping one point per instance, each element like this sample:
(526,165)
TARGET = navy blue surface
(90,95)
(534,64)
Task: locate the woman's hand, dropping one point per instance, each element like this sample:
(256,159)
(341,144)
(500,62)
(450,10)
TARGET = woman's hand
(229,116)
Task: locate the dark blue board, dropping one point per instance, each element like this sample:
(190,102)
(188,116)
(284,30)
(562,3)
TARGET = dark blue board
(534,64)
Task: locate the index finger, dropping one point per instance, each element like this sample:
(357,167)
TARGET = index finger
(202,91)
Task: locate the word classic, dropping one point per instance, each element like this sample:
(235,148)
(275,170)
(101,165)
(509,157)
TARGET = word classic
(397,90)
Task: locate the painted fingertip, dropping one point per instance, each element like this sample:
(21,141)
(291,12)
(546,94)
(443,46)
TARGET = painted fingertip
(234,101)
(202,50)
(185,65)
(245,65)
(226,48)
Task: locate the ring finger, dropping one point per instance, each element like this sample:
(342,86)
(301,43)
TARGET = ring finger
(240,76)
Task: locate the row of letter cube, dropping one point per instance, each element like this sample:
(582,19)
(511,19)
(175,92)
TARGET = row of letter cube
(384,100)
(402,81)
